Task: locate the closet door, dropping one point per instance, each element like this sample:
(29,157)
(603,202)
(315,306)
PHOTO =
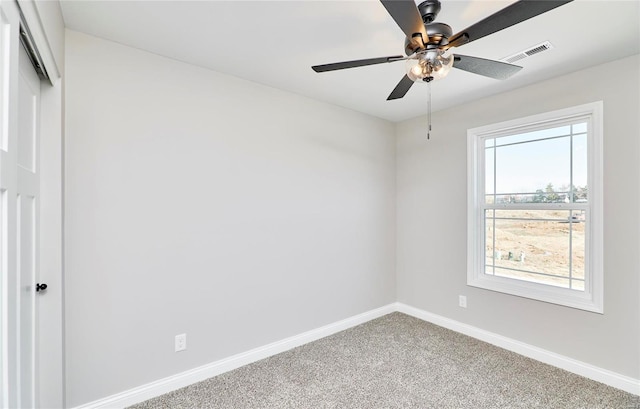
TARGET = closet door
(27,226)
(19,209)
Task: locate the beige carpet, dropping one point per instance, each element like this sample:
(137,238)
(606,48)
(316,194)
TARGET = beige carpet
(397,361)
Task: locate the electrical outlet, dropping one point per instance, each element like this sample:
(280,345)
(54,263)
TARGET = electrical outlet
(462,301)
(181,342)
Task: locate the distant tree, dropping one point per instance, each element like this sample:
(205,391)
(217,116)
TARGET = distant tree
(539,197)
(551,194)
(580,193)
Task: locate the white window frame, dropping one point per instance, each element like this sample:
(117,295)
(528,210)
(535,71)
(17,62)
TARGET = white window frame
(591,299)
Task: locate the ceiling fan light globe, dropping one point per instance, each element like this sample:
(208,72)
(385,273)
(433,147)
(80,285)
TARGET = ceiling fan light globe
(417,70)
(442,66)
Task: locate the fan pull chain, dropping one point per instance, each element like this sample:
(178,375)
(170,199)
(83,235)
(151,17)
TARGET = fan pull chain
(429,111)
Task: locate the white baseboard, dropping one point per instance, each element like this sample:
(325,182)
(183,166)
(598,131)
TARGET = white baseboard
(171,383)
(162,386)
(595,373)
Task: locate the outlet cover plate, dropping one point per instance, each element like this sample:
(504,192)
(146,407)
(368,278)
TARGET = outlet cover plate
(181,342)
(462,301)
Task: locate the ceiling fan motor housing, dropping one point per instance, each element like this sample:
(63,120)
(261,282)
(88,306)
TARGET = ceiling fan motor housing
(438,33)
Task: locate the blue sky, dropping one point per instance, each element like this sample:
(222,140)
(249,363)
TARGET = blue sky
(525,167)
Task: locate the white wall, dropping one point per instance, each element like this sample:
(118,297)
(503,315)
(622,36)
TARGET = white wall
(203,204)
(431,218)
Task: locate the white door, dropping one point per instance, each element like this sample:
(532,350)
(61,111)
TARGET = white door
(19,208)
(27,227)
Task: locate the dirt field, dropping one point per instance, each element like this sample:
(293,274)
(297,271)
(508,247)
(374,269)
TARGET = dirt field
(537,246)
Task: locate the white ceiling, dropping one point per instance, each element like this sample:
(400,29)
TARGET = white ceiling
(276,42)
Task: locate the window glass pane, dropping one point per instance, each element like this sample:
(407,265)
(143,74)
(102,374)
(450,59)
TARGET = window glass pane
(577,285)
(548,195)
(578,240)
(534,167)
(536,278)
(535,135)
(580,168)
(489,185)
(488,240)
(579,128)
(534,245)
(550,215)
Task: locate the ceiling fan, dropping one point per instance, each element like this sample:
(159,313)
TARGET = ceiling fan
(427,42)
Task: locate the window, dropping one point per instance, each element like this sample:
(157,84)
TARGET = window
(535,207)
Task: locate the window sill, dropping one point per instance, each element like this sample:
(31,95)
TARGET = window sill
(582,300)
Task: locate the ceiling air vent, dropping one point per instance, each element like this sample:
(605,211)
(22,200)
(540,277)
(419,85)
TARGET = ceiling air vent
(528,52)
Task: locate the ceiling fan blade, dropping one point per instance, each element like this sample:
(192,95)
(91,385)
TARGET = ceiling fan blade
(356,63)
(513,14)
(401,89)
(406,15)
(489,68)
